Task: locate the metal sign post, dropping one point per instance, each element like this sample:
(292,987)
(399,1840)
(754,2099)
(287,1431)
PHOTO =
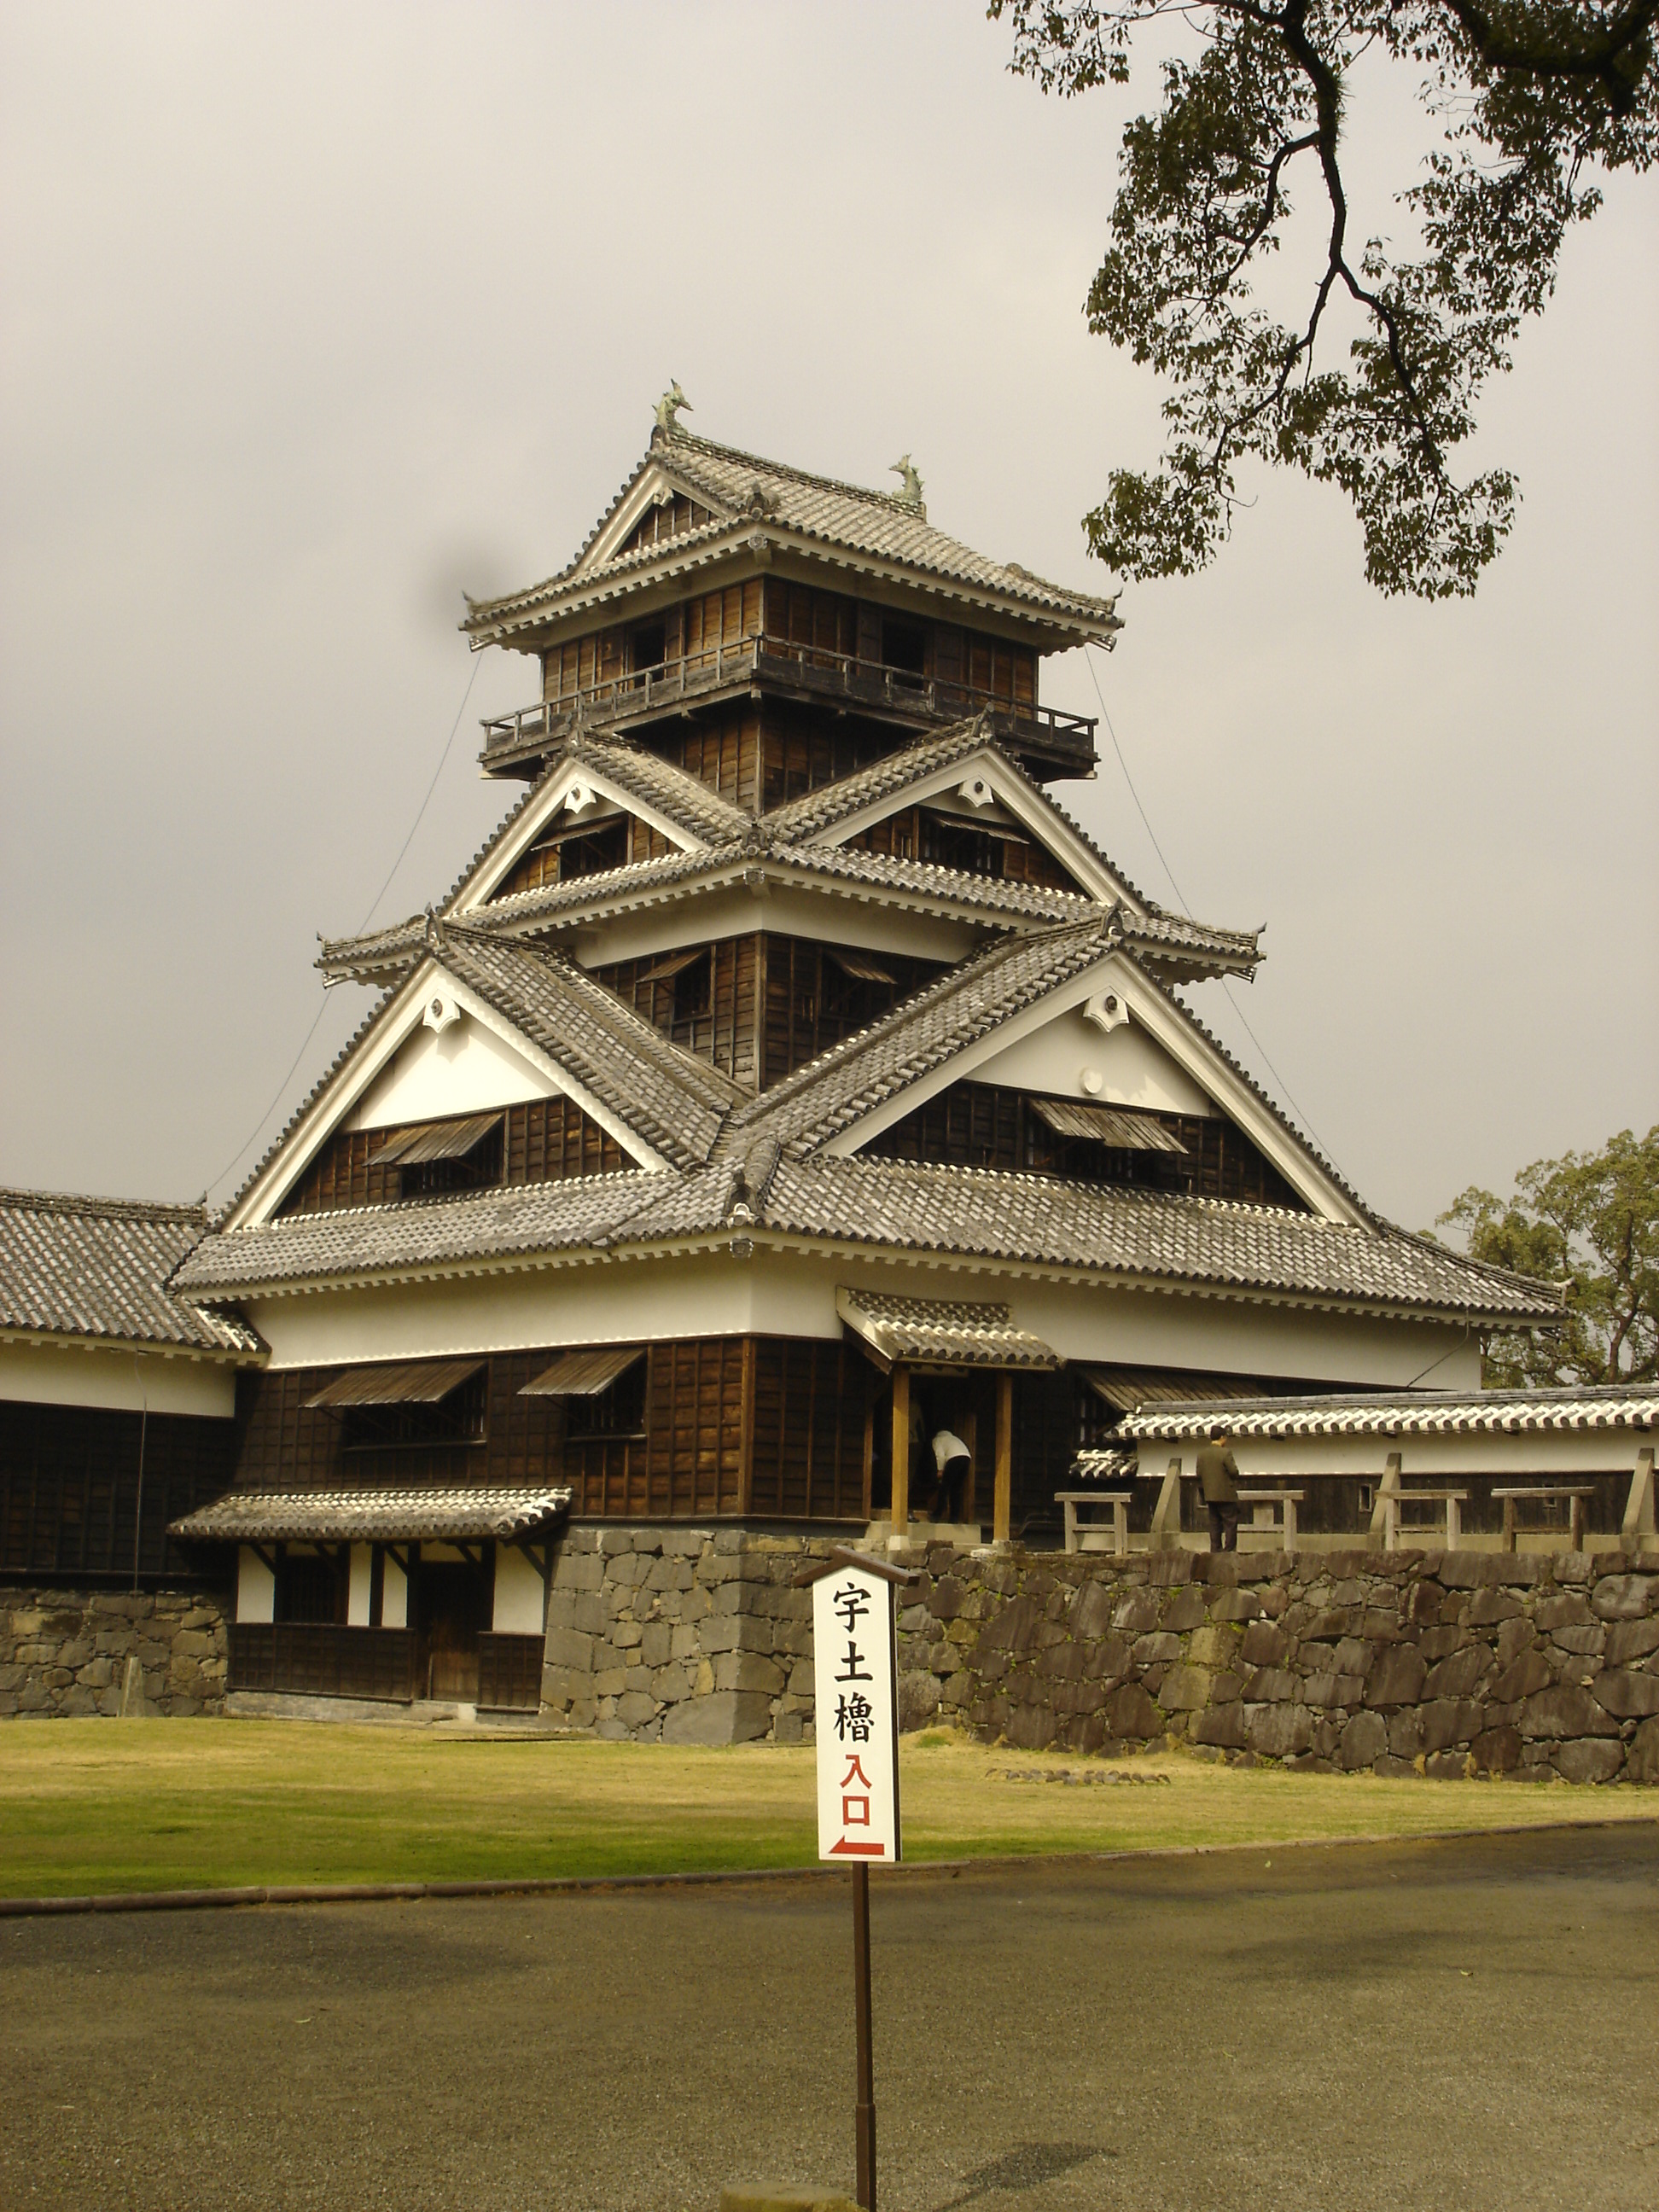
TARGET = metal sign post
(856,1682)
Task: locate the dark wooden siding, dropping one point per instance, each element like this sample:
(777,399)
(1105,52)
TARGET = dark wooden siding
(599,657)
(799,616)
(671,520)
(708,1007)
(802,749)
(921,833)
(543,1140)
(284,1444)
(69,1489)
(722,750)
(983,1125)
(569,851)
(813,1003)
(810,1403)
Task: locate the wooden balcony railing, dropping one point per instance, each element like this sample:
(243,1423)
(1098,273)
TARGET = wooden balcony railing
(842,676)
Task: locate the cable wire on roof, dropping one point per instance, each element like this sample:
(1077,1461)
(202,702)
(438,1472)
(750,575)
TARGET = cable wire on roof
(1305,1118)
(235,1162)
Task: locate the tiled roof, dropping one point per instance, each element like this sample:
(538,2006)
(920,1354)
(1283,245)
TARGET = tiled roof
(1023,1221)
(673,1099)
(383,1517)
(750,495)
(421,1236)
(99,1269)
(943,1330)
(1407,1413)
(839,1088)
(1040,1220)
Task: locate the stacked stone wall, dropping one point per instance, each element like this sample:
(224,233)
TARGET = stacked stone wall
(64,1652)
(680,1635)
(1444,1663)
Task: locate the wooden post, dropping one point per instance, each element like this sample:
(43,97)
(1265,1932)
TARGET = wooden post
(1385,1508)
(865,2102)
(1638,1522)
(1166,1514)
(901,1507)
(1003,1501)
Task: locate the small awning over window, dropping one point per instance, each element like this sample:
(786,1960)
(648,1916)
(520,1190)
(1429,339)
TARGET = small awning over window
(1107,1125)
(411,1382)
(584,1374)
(859,965)
(1129,1388)
(430,1511)
(435,1140)
(671,966)
(941,1333)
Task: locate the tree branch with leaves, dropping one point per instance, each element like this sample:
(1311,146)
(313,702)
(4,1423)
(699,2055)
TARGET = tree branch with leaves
(1529,101)
(1589,1224)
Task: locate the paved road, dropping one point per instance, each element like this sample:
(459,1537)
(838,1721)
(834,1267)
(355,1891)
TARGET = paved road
(1458,2024)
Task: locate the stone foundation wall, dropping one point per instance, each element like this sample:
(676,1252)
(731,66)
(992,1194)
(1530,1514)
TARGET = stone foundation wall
(67,1652)
(680,1635)
(1438,1662)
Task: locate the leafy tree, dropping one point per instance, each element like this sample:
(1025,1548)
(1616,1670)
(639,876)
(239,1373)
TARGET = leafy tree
(1525,102)
(1588,1221)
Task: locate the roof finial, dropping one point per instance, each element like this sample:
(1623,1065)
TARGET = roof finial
(671,404)
(903,467)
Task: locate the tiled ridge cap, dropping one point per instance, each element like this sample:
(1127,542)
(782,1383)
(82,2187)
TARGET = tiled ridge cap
(184,1212)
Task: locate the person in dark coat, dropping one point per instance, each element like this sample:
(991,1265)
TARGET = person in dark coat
(1218,1475)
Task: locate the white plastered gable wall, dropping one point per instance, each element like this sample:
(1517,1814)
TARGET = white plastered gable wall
(488,1064)
(1058,1044)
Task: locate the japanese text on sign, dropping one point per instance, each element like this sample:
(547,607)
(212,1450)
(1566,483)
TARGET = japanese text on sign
(857,1715)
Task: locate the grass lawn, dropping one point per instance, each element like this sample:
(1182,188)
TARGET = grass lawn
(93,1805)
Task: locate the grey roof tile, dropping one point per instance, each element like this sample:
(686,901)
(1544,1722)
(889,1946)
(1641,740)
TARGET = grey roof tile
(1022,1221)
(931,1027)
(675,1101)
(375,1515)
(100,1268)
(1408,1413)
(421,1235)
(881,527)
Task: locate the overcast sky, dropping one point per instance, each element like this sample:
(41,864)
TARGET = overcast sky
(314,315)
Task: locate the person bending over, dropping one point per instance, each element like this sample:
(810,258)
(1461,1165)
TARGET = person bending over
(952,1463)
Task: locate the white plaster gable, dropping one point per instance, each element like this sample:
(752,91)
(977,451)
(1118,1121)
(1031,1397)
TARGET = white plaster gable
(577,795)
(376,1055)
(1128,1067)
(981,788)
(462,1069)
(1160,1049)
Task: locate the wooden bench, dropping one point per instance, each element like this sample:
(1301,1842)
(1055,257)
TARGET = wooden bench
(1264,1501)
(1574,1492)
(1078,1533)
(1386,1512)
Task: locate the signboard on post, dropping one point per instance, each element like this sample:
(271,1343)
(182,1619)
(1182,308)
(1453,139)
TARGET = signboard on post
(855,1680)
(856,1670)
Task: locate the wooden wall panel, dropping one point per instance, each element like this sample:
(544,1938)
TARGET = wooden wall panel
(810,1401)
(985,1126)
(921,833)
(811,1003)
(70,1489)
(803,748)
(723,750)
(708,1011)
(543,1140)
